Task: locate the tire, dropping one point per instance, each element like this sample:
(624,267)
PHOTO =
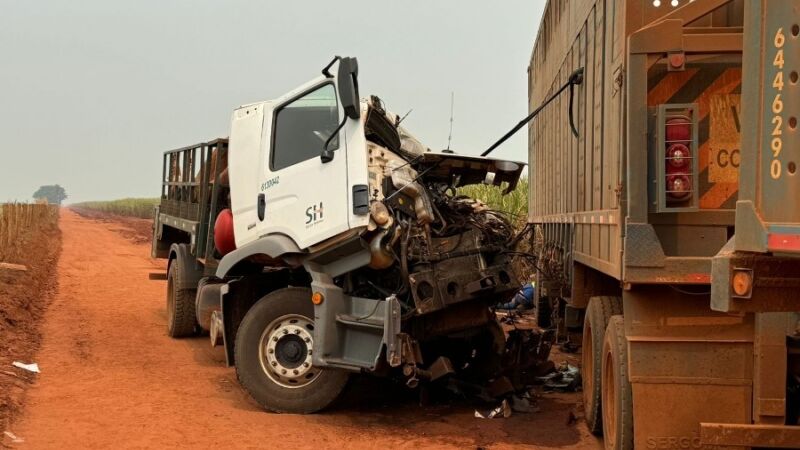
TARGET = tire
(272,354)
(595,322)
(181,318)
(544,312)
(617,393)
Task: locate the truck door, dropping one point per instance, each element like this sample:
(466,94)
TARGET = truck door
(300,195)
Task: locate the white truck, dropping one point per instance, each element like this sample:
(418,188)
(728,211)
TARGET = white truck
(323,239)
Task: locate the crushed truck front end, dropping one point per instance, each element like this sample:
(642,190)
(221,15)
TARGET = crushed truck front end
(339,243)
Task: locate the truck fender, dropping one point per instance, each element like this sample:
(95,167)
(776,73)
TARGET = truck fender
(273,246)
(180,254)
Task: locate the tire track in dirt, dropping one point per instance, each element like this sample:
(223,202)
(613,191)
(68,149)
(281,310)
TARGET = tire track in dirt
(112,378)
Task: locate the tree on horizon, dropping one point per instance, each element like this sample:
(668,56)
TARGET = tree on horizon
(53,193)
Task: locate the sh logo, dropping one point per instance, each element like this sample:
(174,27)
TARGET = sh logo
(314,214)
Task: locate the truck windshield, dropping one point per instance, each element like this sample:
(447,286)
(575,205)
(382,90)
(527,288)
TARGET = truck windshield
(303,126)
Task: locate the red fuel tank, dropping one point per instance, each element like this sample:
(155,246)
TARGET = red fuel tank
(223,232)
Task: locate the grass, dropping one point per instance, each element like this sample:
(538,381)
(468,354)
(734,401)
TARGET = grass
(514,204)
(130,207)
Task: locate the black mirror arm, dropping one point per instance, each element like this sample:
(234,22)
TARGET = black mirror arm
(326,69)
(327,155)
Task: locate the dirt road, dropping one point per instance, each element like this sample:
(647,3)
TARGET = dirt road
(112,378)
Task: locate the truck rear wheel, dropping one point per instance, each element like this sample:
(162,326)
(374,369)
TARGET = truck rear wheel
(617,393)
(181,319)
(598,314)
(273,353)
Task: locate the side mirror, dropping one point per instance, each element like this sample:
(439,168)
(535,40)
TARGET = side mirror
(348,87)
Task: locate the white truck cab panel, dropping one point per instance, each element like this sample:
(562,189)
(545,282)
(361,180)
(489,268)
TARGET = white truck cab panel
(244,148)
(291,190)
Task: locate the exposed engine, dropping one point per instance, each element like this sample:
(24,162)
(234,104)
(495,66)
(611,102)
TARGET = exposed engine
(431,247)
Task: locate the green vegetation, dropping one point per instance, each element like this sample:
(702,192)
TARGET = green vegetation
(132,207)
(515,204)
(53,193)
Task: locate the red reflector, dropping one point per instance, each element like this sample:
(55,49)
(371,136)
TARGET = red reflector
(678,186)
(783,242)
(678,156)
(704,278)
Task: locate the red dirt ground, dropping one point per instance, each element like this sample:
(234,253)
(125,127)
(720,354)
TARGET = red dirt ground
(112,378)
(23,299)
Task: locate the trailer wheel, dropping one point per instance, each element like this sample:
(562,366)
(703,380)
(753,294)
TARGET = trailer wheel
(181,319)
(617,393)
(598,314)
(273,351)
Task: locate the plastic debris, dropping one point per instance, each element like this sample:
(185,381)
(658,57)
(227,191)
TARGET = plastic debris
(502,410)
(13,437)
(32,367)
(16,267)
(523,299)
(566,378)
(523,404)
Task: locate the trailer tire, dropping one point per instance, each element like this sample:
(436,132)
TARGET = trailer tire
(617,393)
(595,322)
(273,345)
(181,318)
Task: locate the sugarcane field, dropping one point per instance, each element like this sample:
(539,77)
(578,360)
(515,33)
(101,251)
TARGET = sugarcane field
(550,224)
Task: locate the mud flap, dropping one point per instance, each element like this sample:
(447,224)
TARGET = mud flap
(352,332)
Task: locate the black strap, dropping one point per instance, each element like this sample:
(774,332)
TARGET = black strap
(575,79)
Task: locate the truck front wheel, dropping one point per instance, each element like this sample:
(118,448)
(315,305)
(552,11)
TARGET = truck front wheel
(273,355)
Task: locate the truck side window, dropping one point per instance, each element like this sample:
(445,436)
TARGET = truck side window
(303,126)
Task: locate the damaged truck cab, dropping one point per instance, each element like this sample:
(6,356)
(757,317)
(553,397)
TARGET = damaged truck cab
(352,250)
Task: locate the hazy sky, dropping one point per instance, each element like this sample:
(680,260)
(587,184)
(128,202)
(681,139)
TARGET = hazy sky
(93,91)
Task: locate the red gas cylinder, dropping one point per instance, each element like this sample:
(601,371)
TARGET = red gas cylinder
(223,232)
(678,129)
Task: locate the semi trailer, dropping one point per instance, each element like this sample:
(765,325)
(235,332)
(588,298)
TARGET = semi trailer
(668,230)
(322,239)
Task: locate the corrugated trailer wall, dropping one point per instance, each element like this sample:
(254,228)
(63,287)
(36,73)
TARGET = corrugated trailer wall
(575,181)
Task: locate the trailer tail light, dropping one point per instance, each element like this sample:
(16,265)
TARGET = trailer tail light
(742,283)
(676,170)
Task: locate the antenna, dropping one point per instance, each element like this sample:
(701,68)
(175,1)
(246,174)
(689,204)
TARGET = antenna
(400,120)
(450,136)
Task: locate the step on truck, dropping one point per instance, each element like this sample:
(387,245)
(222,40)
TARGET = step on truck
(668,231)
(322,239)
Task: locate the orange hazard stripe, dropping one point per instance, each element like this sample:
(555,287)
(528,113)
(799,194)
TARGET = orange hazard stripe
(667,87)
(702,156)
(725,84)
(717,195)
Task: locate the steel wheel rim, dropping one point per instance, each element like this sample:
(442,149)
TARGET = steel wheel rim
(285,351)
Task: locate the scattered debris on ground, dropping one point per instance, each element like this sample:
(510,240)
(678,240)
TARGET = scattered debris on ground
(11,438)
(32,367)
(17,267)
(566,379)
(502,410)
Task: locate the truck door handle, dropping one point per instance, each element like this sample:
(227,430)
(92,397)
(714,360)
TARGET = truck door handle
(262,206)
